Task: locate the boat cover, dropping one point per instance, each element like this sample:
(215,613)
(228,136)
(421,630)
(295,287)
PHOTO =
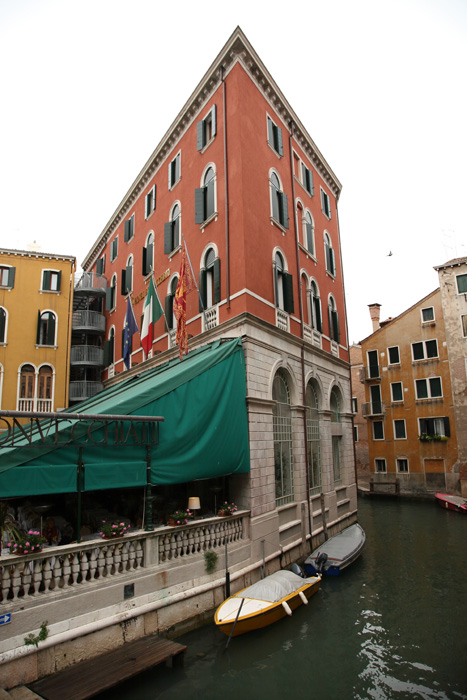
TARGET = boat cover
(340,546)
(275,587)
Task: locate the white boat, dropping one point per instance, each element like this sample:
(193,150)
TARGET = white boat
(337,552)
(265,602)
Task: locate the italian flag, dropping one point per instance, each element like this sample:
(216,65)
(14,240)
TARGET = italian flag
(152,311)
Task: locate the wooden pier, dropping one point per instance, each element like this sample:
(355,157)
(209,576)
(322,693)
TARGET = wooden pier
(89,678)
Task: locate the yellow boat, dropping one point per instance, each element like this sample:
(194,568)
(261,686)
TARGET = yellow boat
(265,602)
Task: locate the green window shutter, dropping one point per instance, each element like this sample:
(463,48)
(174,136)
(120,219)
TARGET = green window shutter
(270,132)
(200,135)
(217,280)
(59,280)
(200,205)
(319,322)
(280,147)
(11,277)
(129,278)
(423,426)
(107,360)
(2,325)
(144,262)
(108,299)
(46,279)
(335,326)
(462,284)
(169,306)
(99,266)
(332,256)
(209,199)
(50,340)
(202,290)
(447,428)
(123,283)
(284,210)
(288,292)
(309,237)
(168,237)
(126,233)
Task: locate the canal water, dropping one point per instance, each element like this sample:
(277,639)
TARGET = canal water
(394,625)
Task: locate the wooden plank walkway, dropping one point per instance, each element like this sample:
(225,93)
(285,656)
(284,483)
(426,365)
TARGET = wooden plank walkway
(88,678)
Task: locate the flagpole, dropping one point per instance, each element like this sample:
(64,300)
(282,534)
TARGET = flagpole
(196,284)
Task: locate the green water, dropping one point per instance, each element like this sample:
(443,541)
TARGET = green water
(394,625)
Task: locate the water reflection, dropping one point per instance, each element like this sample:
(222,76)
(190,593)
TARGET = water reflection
(393,626)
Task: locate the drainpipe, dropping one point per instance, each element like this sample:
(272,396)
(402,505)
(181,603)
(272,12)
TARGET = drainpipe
(226,184)
(302,334)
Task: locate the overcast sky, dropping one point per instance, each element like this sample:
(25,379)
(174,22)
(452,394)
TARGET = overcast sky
(89,88)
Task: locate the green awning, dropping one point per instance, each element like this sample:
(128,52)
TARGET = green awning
(204,433)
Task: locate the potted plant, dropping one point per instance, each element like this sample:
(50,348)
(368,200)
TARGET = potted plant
(9,529)
(425,438)
(227,509)
(29,543)
(179,517)
(115,529)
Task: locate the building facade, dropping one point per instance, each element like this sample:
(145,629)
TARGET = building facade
(412,431)
(36,292)
(360,423)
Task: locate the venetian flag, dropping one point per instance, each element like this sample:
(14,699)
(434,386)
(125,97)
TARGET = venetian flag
(186,284)
(129,327)
(152,311)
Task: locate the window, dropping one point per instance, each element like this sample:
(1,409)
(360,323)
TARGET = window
(7,276)
(51,280)
(44,389)
(205,197)
(279,207)
(402,465)
(210,281)
(335,404)
(150,202)
(275,137)
(428,388)
(355,433)
(399,430)
(100,265)
(206,129)
(393,355)
(46,322)
(312,435)
(315,303)
(26,392)
(172,230)
(174,171)
(378,430)
(127,278)
(114,249)
(325,204)
(380,465)
(334,330)
(373,364)
(428,314)
(169,304)
(282,435)
(461,281)
(464,325)
(111,294)
(129,229)
(109,348)
(397,391)
(376,403)
(3,325)
(337,458)
(283,285)
(354,404)
(309,233)
(434,426)
(425,349)
(329,255)
(148,255)
(307,179)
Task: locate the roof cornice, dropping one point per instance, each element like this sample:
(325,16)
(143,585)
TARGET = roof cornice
(237,49)
(36,254)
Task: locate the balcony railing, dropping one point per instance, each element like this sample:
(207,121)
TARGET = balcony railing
(42,405)
(282,319)
(211,318)
(81,390)
(91,281)
(55,569)
(373,408)
(370,373)
(87,355)
(88,321)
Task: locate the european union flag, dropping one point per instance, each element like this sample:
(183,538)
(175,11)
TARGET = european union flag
(129,327)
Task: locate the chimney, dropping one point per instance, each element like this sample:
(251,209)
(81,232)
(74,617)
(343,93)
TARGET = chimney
(374,315)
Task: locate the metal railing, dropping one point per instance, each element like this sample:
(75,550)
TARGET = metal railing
(81,390)
(87,355)
(91,280)
(88,320)
(373,408)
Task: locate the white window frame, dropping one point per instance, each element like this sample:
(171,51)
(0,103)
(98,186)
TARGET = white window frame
(42,345)
(277,144)
(54,275)
(177,159)
(428,385)
(373,423)
(428,320)
(425,356)
(382,460)
(402,459)
(5,283)
(399,420)
(5,334)
(393,400)
(457,282)
(209,118)
(391,347)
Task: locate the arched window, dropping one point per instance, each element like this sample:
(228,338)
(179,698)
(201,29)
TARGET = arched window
(283,285)
(127,277)
(169,304)
(3,324)
(309,233)
(315,303)
(148,255)
(335,405)
(279,209)
(336,408)
(27,388)
(45,389)
(111,294)
(334,331)
(172,230)
(282,430)
(329,255)
(46,326)
(205,197)
(312,434)
(210,281)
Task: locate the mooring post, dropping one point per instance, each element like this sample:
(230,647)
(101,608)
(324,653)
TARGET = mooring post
(227,574)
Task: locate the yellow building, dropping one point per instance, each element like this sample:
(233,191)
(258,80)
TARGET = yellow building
(36,297)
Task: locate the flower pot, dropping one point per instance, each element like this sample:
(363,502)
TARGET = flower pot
(21,554)
(223,513)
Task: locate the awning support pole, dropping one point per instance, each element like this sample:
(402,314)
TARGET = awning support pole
(79,477)
(149,523)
